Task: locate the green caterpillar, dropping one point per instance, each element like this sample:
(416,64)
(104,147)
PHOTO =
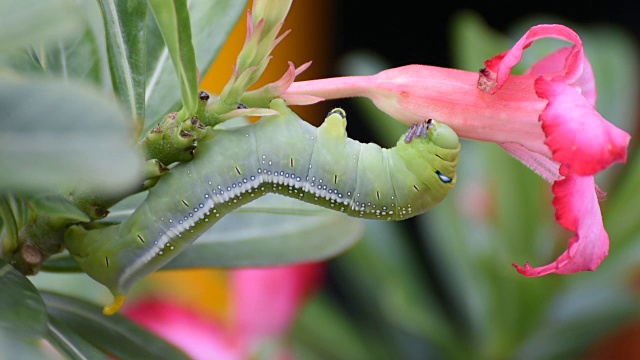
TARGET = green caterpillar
(279,154)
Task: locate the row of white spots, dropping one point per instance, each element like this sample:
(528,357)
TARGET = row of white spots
(231,193)
(163,242)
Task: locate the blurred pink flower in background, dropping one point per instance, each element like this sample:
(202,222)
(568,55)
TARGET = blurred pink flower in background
(545,118)
(264,303)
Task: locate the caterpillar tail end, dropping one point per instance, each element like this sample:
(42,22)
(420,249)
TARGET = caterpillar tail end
(116,305)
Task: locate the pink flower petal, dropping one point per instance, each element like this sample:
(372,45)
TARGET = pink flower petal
(286,80)
(278,88)
(196,336)
(266,300)
(577,209)
(554,63)
(498,68)
(579,138)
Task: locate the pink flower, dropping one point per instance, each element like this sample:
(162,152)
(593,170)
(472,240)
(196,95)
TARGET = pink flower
(545,118)
(264,304)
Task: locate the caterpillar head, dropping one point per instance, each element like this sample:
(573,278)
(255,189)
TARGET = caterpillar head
(444,137)
(430,150)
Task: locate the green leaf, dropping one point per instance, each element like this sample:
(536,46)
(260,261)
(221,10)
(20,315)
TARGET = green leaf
(14,215)
(579,318)
(172,17)
(124,22)
(57,135)
(65,46)
(15,346)
(56,205)
(211,24)
(322,322)
(25,23)
(620,209)
(272,230)
(22,61)
(114,334)
(22,311)
(395,288)
(62,262)
(75,57)
(70,343)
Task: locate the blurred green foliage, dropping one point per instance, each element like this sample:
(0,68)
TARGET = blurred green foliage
(442,287)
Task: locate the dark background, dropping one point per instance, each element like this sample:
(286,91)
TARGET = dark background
(406,32)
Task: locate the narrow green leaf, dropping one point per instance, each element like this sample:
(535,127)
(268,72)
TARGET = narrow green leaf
(327,331)
(579,318)
(395,288)
(21,61)
(272,230)
(22,310)
(124,22)
(70,343)
(172,17)
(73,58)
(56,205)
(114,334)
(15,346)
(56,135)
(75,285)
(62,262)
(10,236)
(50,36)
(620,209)
(26,22)
(211,23)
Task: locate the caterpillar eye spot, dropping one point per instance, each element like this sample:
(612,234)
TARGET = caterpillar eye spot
(445,179)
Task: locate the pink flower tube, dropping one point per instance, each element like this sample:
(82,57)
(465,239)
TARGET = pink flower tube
(545,118)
